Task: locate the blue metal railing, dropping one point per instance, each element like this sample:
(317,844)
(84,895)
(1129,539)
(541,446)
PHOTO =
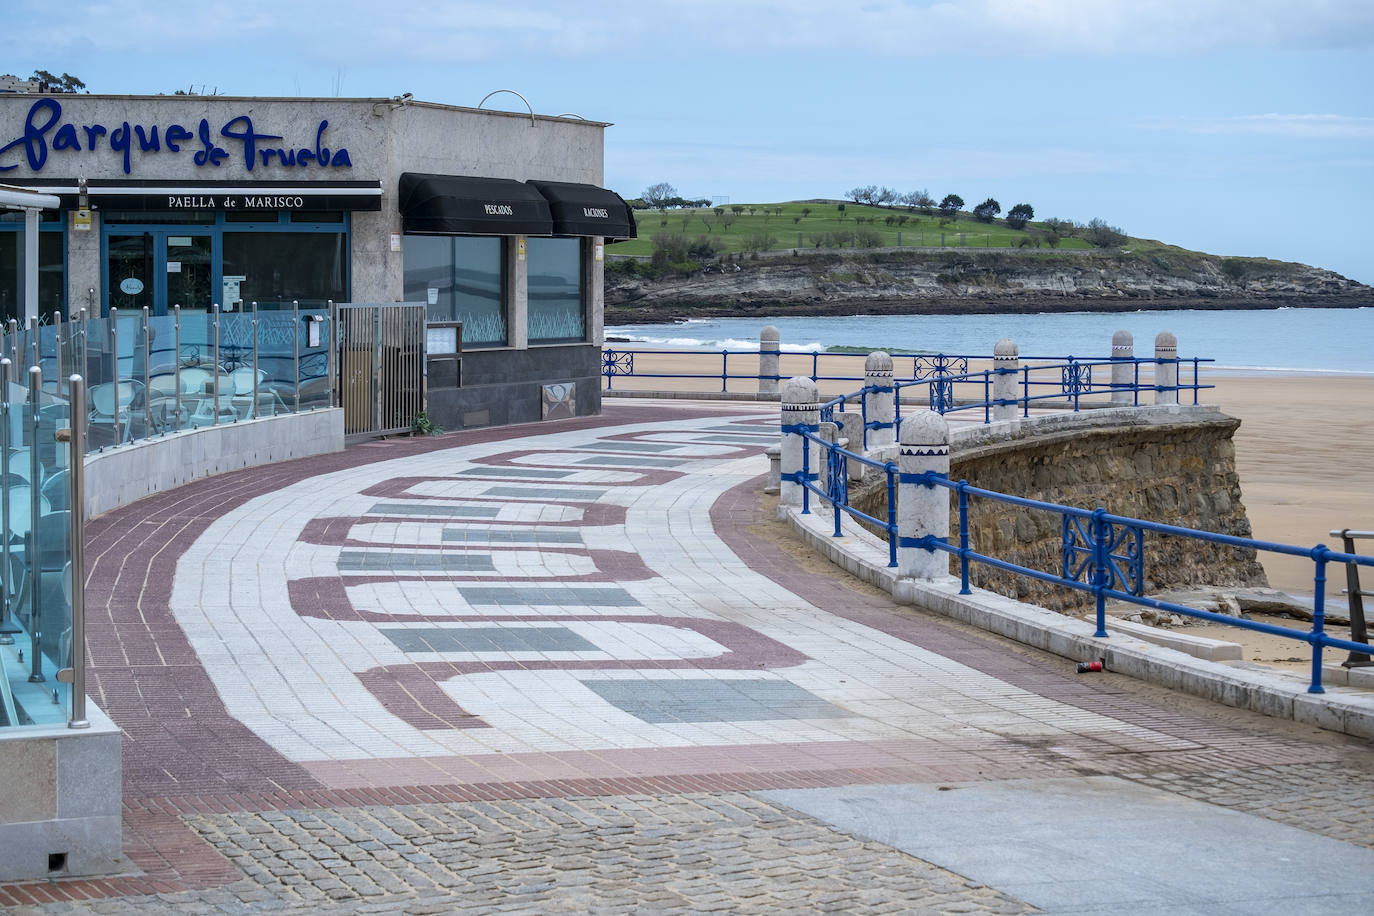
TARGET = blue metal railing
(949,386)
(1101,553)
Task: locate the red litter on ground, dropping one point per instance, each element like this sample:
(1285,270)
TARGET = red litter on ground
(1090,666)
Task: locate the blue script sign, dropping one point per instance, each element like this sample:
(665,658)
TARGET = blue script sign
(44,130)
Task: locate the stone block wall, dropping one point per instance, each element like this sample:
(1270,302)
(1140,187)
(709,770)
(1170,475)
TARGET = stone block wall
(1175,467)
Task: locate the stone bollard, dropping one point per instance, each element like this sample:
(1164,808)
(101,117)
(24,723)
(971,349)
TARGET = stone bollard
(1006,361)
(774,453)
(1166,368)
(1123,369)
(852,429)
(801,410)
(879,405)
(768,360)
(922,511)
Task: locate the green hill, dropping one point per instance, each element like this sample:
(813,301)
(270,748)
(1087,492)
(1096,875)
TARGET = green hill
(741,228)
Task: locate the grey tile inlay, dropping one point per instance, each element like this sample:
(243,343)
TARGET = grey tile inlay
(404,561)
(434,511)
(627,446)
(544,493)
(746,428)
(488,639)
(542,473)
(740,440)
(713,701)
(631,462)
(546,596)
(512,536)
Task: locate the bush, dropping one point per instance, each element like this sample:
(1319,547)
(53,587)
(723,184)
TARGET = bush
(1102,235)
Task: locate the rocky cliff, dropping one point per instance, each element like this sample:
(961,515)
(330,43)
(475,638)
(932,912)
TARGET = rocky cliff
(970,280)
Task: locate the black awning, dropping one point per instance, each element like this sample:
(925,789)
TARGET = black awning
(456,205)
(145,194)
(585,209)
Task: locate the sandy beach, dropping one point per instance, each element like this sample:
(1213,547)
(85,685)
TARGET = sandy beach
(1304,450)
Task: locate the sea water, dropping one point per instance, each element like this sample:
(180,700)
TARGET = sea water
(1299,339)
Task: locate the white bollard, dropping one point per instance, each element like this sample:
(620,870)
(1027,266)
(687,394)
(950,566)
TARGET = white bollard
(1006,360)
(922,511)
(1123,369)
(1166,368)
(852,429)
(880,404)
(801,411)
(768,360)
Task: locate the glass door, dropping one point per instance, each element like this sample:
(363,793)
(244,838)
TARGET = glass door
(131,269)
(188,268)
(160,268)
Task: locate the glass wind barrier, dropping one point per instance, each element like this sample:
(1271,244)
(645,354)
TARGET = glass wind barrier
(36,566)
(152,375)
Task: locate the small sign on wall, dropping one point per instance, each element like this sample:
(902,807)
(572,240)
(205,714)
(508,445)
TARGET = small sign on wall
(520,248)
(81,221)
(600,252)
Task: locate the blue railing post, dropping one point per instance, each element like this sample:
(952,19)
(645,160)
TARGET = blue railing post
(806,475)
(964,588)
(1025,392)
(1101,575)
(1319,556)
(724,369)
(891,470)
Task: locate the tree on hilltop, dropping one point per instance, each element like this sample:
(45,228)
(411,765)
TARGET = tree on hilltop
(660,196)
(987,211)
(950,206)
(1019,215)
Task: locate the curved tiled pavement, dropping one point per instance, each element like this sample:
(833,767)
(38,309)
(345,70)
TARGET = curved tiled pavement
(573,667)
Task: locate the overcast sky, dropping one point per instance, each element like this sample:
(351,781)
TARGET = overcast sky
(1240,127)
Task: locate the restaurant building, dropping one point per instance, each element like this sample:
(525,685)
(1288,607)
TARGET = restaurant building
(489,218)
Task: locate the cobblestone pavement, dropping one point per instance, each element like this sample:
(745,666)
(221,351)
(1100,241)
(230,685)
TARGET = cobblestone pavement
(541,669)
(723,852)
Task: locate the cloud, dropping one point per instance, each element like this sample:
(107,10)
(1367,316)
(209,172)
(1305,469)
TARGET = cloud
(1301,126)
(618,30)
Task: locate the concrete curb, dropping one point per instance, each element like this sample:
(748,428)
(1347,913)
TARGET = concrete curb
(1266,691)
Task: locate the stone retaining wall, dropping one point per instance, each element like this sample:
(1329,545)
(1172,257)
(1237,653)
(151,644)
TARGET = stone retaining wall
(1171,466)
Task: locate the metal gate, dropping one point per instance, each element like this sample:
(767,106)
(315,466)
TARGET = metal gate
(381,368)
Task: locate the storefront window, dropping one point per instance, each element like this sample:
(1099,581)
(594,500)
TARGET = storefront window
(555,291)
(460,278)
(279,267)
(52,278)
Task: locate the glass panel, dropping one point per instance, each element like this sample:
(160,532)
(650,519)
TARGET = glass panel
(131,271)
(555,290)
(429,274)
(278,267)
(460,278)
(188,272)
(35,609)
(52,279)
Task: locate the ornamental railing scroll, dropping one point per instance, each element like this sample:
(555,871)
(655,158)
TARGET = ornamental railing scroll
(617,362)
(1099,552)
(937,365)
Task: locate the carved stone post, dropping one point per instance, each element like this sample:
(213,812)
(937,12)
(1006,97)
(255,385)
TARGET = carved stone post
(1166,368)
(879,404)
(922,511)
(852,429)
(768,360)
(1006,359)
(801,412)
(1123,369)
